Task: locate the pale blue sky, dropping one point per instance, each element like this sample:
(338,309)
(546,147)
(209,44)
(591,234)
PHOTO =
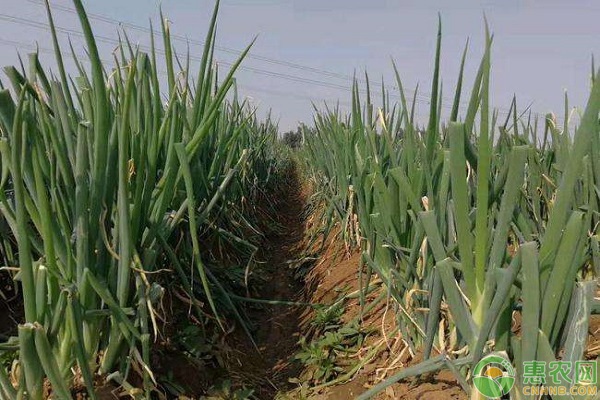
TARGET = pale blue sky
(540,48)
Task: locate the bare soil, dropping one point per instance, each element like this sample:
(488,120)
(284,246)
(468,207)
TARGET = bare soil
(268,367)
(336,271)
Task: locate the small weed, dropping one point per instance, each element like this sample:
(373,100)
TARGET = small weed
(328,317)
(225,391)
(195,343)
(324,358)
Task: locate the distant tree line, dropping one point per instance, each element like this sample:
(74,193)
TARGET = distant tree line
(293,139)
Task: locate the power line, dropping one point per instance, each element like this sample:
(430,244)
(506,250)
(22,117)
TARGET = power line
(250,88)
(112,41)
(421,97)
(294,78)
(25,46)
(103,18)
(163,73)
(250,55)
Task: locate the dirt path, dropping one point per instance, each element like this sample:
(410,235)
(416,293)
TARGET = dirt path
(277,327)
